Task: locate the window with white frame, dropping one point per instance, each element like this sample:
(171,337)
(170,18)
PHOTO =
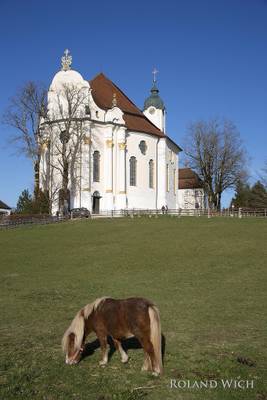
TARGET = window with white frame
(133,163)
(151,174)
(96,166)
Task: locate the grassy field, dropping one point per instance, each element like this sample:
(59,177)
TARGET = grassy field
(207,276)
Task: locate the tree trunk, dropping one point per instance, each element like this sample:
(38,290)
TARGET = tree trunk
(65,191)
(219,196)
(212,200)
(36,177)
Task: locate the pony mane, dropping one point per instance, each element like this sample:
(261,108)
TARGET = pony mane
(89,308)
(77,328)
(77,325)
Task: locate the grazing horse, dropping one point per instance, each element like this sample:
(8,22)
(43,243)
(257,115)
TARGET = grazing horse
(119,319)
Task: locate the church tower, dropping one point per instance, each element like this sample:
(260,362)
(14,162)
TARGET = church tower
(154,108)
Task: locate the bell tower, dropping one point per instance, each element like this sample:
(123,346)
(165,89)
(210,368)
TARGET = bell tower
(154,108)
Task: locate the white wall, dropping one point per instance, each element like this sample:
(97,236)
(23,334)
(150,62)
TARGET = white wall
(4,211)
(156,116)
(189,197)
(172,162)
(141,196)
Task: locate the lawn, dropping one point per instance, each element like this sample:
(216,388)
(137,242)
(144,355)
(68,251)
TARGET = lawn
(207,276)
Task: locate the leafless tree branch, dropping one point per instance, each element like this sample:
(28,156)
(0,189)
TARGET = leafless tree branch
(215,151)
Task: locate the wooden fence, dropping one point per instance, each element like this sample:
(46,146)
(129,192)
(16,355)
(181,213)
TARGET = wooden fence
(7,222)
(233,213)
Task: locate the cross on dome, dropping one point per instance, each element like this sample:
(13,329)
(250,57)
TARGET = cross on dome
(154,99)
(66,60)
(154,73)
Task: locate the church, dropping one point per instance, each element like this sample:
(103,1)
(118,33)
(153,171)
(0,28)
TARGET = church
(122,158)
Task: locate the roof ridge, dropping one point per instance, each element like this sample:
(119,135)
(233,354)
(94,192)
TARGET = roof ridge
(4,205)
(140,113)
(129,108)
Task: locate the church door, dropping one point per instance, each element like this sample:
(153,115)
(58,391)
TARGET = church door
(96,202)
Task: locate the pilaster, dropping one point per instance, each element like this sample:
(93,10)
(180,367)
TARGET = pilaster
(108,168)
(161,173)
(85,195)
(121,169)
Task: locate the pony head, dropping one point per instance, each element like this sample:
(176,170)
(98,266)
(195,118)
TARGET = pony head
(73,339)
(73,354)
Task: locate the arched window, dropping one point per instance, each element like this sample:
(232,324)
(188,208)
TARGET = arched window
(132,171)
(151,174)
(96,166)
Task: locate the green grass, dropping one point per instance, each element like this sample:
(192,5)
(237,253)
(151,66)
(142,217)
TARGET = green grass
(207,276)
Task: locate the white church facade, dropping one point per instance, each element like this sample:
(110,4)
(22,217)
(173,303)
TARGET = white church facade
(124,158)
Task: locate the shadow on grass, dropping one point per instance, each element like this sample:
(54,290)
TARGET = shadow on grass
(127,344)
(90,348)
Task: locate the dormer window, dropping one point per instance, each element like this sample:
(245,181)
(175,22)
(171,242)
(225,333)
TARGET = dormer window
(87,110)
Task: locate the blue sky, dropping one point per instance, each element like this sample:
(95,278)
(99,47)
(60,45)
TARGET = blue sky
(211,56)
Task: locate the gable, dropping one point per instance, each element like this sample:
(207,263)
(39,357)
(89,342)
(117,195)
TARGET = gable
(103,90)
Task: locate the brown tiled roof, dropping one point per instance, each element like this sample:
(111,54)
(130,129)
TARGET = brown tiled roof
(4,206)
(103,90)
(188,179)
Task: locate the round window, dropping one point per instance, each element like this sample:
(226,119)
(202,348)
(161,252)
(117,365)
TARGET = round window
(143,147)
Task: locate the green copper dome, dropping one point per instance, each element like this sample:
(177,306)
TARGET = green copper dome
(154,99)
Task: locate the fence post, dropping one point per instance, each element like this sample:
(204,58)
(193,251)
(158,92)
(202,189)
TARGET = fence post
(240,212)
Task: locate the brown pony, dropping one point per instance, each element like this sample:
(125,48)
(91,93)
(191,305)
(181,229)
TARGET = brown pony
(119,319)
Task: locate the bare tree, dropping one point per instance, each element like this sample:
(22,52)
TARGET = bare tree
(263,175)
(24,113)
(64,129)
(215,151)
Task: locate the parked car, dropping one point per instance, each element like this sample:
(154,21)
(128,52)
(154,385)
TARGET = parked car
(80,213)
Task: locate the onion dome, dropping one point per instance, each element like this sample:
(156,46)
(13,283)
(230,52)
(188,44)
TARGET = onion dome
(154,99)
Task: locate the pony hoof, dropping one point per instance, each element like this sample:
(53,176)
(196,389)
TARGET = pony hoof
(154,373)
(102,363)
(125,360)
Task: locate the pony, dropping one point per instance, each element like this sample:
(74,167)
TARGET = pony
(117,319)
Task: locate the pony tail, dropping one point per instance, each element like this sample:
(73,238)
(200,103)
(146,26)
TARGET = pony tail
(76,328)
(155,336)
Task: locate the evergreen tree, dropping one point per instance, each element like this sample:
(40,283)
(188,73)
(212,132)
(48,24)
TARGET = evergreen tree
(258,196)
(25,203)
(242,195)
(41,203)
